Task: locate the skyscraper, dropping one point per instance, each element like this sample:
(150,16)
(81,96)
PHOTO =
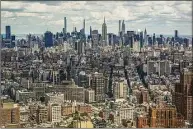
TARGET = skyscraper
(119,28)
(123,28)
(153,39)
(95,38)
(98,86)
(176,34)
(90,31)
(8,32)
(141,40)
(145,37)
(104,31)
(48,39)
(182,98)
(84,26)
(65,25)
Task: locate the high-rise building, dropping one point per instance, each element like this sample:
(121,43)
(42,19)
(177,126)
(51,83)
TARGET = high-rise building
(119,28)
(120,89)
(151,67)
(74,93)
(84,26)
(65,25)
(176,34)
(55,112)
(8,32)
(153,39)
(48,39)
(89,96)
(141,40)
(97,84)
(145,37)
(165,116)
(95,38)
(42,114)
(164,67)
(90,31)
(123,28)
(10,115)
(104,31)
(182,98)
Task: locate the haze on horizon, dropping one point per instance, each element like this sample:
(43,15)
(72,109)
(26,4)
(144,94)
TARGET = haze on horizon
(160,17)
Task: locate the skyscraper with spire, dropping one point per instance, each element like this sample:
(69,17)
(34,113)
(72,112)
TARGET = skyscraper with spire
(145,38)
(104,31)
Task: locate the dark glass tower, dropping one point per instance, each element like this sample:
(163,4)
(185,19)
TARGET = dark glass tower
(48,39)
(8,32)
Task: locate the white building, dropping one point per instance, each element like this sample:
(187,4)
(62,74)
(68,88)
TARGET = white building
(125,112)
(55,112)
(120,89)
(54,98)
(89,95)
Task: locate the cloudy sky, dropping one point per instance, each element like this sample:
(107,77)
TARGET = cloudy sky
(161,17)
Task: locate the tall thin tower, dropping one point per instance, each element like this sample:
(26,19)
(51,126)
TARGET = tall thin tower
(123,27)
(119,27)
(65,25)
(104,31)
(84,25)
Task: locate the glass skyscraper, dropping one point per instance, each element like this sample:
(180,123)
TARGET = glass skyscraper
(8,32)
(48,39)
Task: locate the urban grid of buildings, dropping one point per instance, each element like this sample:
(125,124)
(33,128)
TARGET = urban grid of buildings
(72,80)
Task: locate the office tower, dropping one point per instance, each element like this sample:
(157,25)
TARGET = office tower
(164,67)
(48,39)
(120,89)
(97,84)
(84,26)
(83,79)
(90,31)
(10,115)
(89,96)
(42,114)
(124,112)
(150,41)
(8,32)
(151,67)
(145,38)
(65,25)
(123,28)
(131,37)
(80,47)
(165,116)
(141,40)
(119,28)
(95,38)
(104,31)
(176,34)
(74,93)
(153,39)
(182,98)
(55,112)
(161,39)
(110,39)
(13,41)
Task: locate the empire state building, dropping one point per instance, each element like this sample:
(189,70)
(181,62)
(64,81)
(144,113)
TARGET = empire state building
(104,31)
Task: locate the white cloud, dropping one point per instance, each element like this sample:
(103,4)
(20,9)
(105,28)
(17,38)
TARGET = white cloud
(135,13)
(6,14)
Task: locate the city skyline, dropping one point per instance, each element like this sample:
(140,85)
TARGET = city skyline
(160,17)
